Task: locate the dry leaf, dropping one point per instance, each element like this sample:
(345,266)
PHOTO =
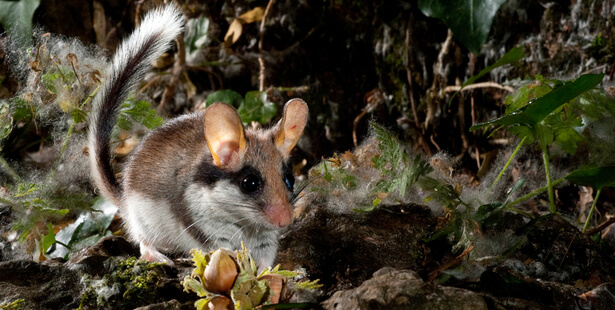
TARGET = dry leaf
(236,27)
(254,15)
(234,32)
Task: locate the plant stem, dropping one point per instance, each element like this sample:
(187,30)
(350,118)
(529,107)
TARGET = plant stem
(70,131)
(10,171)
(508,162)
(545,159)
(6,201)
(536,192)
(591,211)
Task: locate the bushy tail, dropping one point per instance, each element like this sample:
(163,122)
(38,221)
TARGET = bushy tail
(131,62)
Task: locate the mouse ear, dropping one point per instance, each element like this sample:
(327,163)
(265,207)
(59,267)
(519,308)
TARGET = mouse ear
(224,133)
(290,127)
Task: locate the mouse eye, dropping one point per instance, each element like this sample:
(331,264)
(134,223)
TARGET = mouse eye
(289,179)
(250,183)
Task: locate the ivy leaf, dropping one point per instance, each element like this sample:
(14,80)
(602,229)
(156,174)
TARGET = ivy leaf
(470,20)
(598,178)
(227,96)
(256,107)
(16,16)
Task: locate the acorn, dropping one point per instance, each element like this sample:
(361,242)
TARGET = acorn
(221,272)
(276,285)
(220,303)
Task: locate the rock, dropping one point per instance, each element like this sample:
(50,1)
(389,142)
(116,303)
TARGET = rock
(90,260)
(343,250)
(40,286)
(567,254)
(169,305)
(403,289)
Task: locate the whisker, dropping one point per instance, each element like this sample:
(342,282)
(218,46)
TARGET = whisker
(297,193)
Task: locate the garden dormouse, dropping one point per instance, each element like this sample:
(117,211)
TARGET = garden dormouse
(201,180)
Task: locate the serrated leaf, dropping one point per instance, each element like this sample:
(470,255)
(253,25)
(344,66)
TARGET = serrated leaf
(598,178)
(195,286)
(138,111)
(227,96)
(470,20)
(533,113)
(48,81)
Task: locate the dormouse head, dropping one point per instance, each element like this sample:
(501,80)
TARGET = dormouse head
(256,161)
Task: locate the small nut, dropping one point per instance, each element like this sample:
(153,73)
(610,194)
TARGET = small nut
(220,303)
(276,285)
(221,272)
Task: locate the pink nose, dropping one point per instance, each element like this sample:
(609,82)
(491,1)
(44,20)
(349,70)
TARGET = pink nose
(278,215)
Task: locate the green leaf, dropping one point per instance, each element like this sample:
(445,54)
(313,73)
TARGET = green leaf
(22,111)
(509,58)
(79,116)
(48,81)
(535,112)
(6,121)
(49,238)
(16,17)
(196,35)
(138,111)
(227,96)
(256,107)
(470,20)
(595,177)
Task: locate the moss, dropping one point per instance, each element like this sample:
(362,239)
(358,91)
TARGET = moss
(14,305)
(600,49)
(132,283)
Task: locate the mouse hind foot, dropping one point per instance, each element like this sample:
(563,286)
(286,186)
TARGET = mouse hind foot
(151,254)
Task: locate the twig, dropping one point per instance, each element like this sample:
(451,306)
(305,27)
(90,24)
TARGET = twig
(443,52)
(409,77)
(610,219)
(218,77)
(591,211)
(179,67)
(434,143)
(454,88)
(261,61)
(438,80)
(451,263)
(567,250)
(148,84)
